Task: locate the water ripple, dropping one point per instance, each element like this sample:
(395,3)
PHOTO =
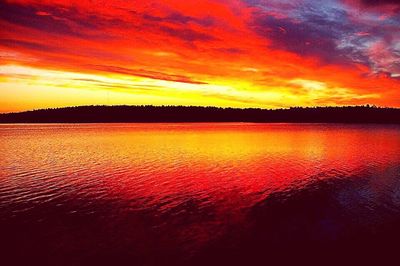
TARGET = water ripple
(139,191)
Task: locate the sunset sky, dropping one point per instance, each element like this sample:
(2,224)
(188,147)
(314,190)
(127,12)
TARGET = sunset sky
(248,53)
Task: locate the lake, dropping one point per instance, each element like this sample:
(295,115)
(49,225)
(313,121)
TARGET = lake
(198,194)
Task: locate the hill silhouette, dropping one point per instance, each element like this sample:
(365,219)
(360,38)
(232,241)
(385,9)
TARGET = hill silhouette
(117,114)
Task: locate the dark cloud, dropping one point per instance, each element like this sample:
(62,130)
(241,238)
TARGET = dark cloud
(120,86)
(71,21)
(380,2)
(56,20)
(177,25)
(186,34)
(26,16)
(332,34)
(312,34)
(146,74)
(178,18)
(382,7)
(11,43)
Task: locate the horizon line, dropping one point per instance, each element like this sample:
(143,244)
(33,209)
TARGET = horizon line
(203,106)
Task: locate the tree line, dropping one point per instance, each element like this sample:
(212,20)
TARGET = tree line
(149,113)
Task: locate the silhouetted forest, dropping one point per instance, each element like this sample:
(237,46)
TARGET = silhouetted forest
(116,114)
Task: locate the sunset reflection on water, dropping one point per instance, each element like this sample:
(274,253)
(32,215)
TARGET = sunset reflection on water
(157,194)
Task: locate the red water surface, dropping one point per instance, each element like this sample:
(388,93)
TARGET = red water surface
(168,194)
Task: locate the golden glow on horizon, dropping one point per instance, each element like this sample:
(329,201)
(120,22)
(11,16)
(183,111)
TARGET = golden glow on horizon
(50,88)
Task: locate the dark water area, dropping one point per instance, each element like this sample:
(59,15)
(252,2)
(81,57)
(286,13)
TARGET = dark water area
(199,194)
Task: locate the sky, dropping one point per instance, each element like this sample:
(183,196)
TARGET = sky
(228,53)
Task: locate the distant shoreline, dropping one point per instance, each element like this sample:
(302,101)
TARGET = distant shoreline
(193,114)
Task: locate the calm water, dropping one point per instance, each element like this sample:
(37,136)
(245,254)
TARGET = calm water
(198,194)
